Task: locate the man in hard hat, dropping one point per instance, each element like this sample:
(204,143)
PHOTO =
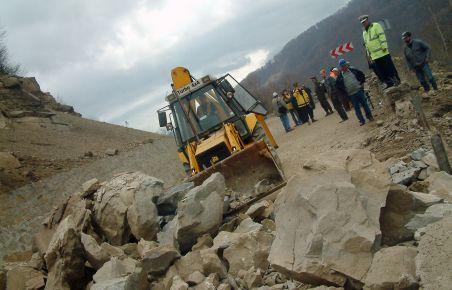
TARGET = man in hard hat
(417,54)
(351,81)
(280,108)
(377,50)
(334,93)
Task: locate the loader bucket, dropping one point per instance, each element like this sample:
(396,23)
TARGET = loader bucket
(244,169)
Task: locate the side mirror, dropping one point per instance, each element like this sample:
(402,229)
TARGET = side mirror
(162,119)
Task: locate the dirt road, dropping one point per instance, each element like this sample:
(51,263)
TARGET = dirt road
(324,135)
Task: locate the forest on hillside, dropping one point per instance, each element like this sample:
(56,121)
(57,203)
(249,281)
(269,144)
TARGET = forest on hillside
(306,54)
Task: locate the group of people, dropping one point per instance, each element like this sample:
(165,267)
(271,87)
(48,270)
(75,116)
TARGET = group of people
(344,84)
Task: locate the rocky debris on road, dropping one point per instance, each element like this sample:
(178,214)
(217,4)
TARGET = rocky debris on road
(8,161)
(132,233)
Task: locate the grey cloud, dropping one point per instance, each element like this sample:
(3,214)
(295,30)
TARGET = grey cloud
(59,41)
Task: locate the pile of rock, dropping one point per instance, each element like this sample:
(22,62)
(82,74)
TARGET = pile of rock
(339,224)
(21,97)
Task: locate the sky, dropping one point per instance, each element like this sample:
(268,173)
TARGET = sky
(111,59)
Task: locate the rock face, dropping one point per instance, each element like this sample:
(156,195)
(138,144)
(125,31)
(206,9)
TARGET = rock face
(319,240)
(201,211)
(133,192)
(392,268)
(65,257)
(435,255)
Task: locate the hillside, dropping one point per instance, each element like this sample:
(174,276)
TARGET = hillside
(305,55)
(47,138)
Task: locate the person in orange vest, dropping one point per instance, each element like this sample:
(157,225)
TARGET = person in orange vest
(303,105)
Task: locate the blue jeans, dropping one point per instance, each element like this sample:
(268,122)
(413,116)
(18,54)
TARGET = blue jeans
(359,99)
(285,121)
(421,73)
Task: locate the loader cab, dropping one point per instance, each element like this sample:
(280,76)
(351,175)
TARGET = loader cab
(202,107)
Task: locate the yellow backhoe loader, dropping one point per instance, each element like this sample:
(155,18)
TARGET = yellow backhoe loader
(220,127)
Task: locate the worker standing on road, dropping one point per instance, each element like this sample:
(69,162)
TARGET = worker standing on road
(351,81)
(311,107)
(302,104)
(378,53)
(321,96)
(291,103)
(417,54)
(280,108)
(333,92)
(343,97)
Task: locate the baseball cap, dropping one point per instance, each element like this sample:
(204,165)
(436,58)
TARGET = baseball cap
(342,62)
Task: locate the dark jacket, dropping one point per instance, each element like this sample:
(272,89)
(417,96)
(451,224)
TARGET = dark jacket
(320,91)
(417,53)
(340,85)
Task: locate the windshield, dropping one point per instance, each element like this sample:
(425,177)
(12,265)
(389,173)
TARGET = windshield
(206,110)
(243,97)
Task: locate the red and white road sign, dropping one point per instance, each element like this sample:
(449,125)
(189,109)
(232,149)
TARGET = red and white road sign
(341,49)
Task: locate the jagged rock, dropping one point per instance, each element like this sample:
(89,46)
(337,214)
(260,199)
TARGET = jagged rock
(430,160)
(123,274)
(418,154)
(401,206)
(423,175)
(440,184)
(8,161)
(178,284)
(65,257)
(210,283)
(157,260)
(90,187)
(406,177)
(434,256)
(247,225)
(168,201)
(195,278)
(260,210)
(244,250)
(404,109)
(131,250)
(203,242)
(142,217)
(205,261)
(253,279)
(36,261)
(144,246)
(95,254)
(224,286)
(21,276)
(167,236)
(201,211)
(111,152)
(392,268)
(42,239)
(434,213)
(268,225)
(30,85)
(319,240)
(112,202)
(394,94)
(398,167)
(112,251)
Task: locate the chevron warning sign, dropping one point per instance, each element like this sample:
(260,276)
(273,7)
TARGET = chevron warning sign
(341,49)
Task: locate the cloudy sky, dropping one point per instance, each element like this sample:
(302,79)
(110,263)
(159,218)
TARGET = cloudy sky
(111,59)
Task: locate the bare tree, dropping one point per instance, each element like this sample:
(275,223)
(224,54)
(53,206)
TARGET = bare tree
(5,66)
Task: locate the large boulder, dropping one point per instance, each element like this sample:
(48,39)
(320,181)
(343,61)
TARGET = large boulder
(95,254)
(440,183)
(157,260)
(319,240)
(128,191)
(401,206)
(433,262)
(21,276)
(392,268)
(201,211)
(125,274)
(65,257)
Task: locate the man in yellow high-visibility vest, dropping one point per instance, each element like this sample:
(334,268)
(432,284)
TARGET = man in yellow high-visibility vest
(377,51)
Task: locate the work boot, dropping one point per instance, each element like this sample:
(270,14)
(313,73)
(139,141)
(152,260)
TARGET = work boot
(434,85)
